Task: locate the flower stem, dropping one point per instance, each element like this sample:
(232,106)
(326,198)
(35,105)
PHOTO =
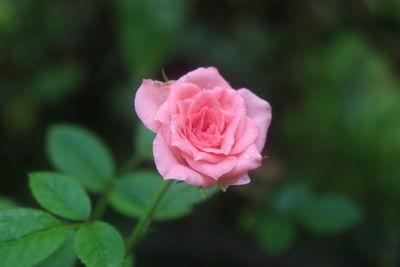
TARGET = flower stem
(144,221)
(101,205)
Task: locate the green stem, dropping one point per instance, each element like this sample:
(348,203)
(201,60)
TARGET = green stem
(144,221)
(102,204)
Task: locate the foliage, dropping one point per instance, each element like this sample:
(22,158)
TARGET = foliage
(80,154)
(99,244)
(28,236)
(60,195)
(34,237)
(7,203)
(328,194)
(64,256)
(133,194)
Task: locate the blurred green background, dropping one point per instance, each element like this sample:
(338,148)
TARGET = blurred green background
(329,193)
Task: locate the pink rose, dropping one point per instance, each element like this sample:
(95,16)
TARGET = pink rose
(207,132)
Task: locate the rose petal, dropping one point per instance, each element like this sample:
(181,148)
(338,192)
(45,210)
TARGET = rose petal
(163,115)
(204,99)
(242,180)
(205,78)
(181,142)
(181,91)
(170,168)
(231,100)
(213,170)
(229,134)
(250,159)
(259,111)
(149,97)
(249,137)
(238,180)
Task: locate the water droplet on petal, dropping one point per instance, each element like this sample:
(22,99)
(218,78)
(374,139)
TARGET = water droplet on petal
(246,156)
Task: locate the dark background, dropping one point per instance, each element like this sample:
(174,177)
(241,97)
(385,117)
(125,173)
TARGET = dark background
(329,193)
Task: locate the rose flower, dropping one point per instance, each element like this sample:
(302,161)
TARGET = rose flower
(207,133)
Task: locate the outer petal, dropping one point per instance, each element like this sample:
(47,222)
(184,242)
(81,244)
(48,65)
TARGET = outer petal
(205,78)
(259,111)
(149,97)
(242,180)
(212,170)
(250,159)
(170,168)
(238,180)
(163,114)
(249,136)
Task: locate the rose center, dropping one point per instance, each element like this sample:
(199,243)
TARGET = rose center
(205,128)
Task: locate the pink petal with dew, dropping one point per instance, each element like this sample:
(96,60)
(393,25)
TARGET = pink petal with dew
(259,111)
(213,170)
(249,159)
(170,168)
(249,137)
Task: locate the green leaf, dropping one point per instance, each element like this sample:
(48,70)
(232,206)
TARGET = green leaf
(277,235)
(144,142)
(180,199)
(28,236)
(129,261)
(133,192)
(81,154)
(60,194)
(7,203)
(292,197)
(99,245)
(64,256)
(330,214)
